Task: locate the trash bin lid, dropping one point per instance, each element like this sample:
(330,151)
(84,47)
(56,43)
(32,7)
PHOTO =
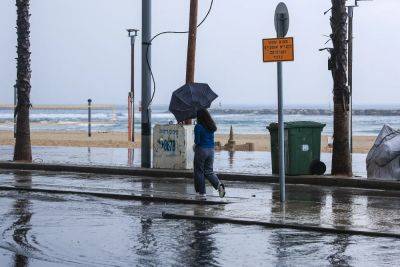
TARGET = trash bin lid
(297,124)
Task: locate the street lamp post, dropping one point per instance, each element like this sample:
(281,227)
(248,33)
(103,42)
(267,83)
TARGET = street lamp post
(350,13)
(350,73)
(132,33)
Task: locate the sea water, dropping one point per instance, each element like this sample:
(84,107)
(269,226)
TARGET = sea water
(244,120)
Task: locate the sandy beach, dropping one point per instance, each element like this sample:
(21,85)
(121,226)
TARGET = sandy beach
(362,144)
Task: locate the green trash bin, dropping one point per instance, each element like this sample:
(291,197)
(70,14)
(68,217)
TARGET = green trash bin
(302,146)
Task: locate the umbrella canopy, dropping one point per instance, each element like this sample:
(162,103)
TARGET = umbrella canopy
(187,100)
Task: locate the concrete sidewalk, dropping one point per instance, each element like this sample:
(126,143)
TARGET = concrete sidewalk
(308,205)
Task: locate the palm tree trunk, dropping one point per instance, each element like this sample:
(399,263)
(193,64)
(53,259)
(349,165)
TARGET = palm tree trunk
(341,158)
(22,151)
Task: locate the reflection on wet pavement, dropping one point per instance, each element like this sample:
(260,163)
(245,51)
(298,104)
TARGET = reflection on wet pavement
(241,162)
(17,232)
(49,229)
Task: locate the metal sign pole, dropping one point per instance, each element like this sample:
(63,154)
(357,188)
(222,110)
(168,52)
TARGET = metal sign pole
(281,136)
(278,50)
(282,27)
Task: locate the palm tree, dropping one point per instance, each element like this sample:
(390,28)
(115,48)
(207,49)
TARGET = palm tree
(22,149)
(341,159)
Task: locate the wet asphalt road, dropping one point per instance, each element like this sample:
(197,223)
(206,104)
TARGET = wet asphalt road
(39,229)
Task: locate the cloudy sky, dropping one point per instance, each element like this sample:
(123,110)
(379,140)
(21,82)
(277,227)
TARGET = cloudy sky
(80,50)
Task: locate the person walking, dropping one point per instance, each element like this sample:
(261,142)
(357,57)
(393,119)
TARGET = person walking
(204,155)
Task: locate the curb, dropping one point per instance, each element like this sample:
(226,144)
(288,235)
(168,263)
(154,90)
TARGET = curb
(115,196)
(279,225)
(336,181)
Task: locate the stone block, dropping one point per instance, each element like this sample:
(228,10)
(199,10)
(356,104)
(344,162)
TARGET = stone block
(173,147)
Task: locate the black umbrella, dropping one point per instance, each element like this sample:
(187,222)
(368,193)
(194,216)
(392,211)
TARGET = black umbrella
(187,100)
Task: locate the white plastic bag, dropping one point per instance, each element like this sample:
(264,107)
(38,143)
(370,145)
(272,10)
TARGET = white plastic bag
(383,160)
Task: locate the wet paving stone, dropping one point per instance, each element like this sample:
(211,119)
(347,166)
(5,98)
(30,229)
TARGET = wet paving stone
(38,229)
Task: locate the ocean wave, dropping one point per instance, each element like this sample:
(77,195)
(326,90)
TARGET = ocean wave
(243,120)
(69,116)
(306,111)
(6,116)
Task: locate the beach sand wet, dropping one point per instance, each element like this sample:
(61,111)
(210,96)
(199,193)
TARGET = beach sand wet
(362,144)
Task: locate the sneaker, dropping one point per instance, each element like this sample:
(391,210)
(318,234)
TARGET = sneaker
(201,196)
(221,190)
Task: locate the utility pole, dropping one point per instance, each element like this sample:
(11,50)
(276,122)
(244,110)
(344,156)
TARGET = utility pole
(132,33)
(191,50)
(146,84)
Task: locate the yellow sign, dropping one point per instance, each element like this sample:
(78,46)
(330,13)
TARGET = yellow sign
(278,49)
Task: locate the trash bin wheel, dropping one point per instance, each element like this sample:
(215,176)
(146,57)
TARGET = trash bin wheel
(317,167)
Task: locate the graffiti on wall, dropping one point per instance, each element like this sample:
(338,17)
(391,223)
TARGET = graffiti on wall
(168,143)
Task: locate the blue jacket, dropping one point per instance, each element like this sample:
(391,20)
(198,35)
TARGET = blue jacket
(203,137)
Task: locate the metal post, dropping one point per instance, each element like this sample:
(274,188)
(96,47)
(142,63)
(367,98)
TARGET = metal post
(146,84)
(281,136)
(15,106)
(133,97)
(90,117)
(281,130)
(350,74)
(131,153)
(130,117)
(191,50)
(132,33)
(350,11)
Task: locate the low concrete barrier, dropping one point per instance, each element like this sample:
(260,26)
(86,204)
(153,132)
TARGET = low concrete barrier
(131,197)
(159,173)
(299,227)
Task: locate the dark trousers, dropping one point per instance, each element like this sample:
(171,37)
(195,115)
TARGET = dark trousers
(203,169)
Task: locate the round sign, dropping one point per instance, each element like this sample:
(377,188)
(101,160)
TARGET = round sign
(281,20)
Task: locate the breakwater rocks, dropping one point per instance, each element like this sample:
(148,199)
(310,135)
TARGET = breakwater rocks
(322,112)
(63,107)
